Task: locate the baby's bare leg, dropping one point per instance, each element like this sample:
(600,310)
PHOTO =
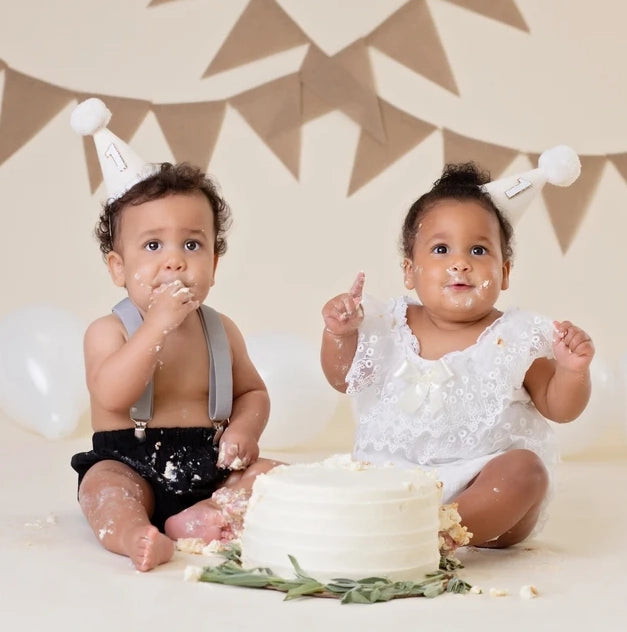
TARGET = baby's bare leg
(501,505)
(117,503)
(205,519)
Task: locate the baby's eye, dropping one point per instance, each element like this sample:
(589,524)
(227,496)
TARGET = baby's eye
(478,250)
(440,249)
(191,245)
(153,246)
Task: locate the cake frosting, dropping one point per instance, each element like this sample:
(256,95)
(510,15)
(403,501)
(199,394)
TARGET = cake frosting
(343,518)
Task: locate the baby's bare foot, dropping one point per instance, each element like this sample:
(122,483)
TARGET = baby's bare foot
(203,520)
(148,547)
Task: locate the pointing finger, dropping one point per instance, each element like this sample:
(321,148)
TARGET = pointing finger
(357,288)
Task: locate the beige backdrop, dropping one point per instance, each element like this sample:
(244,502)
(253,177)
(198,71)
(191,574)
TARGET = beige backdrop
(296,242)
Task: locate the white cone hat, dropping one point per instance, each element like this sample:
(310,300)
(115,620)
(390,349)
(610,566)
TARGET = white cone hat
(559,166)
(121,167)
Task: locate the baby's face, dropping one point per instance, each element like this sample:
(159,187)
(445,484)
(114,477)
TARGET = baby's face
(163,241)
(457,268)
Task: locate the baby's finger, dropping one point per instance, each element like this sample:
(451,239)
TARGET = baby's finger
(226,454)
(357,289)
(578,341)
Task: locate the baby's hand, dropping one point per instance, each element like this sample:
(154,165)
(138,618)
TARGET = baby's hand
(237,450)
(169,305)
(343,314)
(572,346)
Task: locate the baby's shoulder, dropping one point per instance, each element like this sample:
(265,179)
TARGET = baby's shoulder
(523,321)
(105,326)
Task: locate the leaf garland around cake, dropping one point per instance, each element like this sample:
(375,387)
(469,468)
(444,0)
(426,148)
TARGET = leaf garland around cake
(366,590)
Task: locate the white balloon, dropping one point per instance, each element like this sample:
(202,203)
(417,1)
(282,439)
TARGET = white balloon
(584,433)
(42,379)
(301,400)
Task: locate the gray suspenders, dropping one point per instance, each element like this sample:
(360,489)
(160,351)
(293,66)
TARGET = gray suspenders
(220,373)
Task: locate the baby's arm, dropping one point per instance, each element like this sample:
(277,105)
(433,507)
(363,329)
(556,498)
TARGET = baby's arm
(118,370)
(251,406)
(560,388)
(342,316)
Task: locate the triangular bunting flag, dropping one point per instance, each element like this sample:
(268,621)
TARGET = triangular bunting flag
(504,11)
(2,65)
(128,115)
(567,206)
(403,132)
(263,29)
(491,157)
(273,110)
(312,105)
(345,81)
(191,129)
(410,37)
(620,162)
(27,106)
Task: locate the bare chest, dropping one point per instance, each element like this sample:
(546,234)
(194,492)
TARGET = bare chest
(182,370)
(435,342)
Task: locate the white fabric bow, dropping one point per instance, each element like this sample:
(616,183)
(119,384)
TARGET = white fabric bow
(423,385)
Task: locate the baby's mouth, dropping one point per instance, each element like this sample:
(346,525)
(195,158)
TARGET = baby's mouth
(459,284)
(174,283)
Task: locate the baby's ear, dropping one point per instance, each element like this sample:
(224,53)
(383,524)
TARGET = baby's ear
(115,263)
(507,266)
(408,268)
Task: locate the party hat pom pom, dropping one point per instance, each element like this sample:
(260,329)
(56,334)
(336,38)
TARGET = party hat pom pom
(90,116)
(560,165)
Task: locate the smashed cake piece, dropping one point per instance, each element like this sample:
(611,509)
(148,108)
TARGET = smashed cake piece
(190,545)
(452,534)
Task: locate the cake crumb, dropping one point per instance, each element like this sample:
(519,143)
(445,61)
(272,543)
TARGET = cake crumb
(476,590)
(192,573)
(237,464)
(529,591)
(498,592)
(190,545)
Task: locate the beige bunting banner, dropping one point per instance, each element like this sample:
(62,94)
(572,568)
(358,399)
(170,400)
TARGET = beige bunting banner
(277,110)
(410,37)
(403,132)
(504,11)
(28,104)
(273,110)
(263,29)
(312,105)
(345,81)
(567,206)
(620,162)
(191,129)
(493,158)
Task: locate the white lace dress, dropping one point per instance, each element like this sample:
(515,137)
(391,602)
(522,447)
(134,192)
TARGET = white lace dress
(453,414)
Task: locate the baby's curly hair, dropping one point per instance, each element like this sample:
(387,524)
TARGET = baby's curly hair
(170,179)
(461,181)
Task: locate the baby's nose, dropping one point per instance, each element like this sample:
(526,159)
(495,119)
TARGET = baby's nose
(174,261)
(460,265)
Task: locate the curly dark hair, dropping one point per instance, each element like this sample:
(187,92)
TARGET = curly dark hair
(170,179)
(461,181)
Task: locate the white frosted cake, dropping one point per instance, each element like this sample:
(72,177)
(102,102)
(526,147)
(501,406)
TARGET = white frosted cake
(342,518)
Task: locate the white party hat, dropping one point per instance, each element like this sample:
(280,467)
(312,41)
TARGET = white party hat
(559,166)
(121,167)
